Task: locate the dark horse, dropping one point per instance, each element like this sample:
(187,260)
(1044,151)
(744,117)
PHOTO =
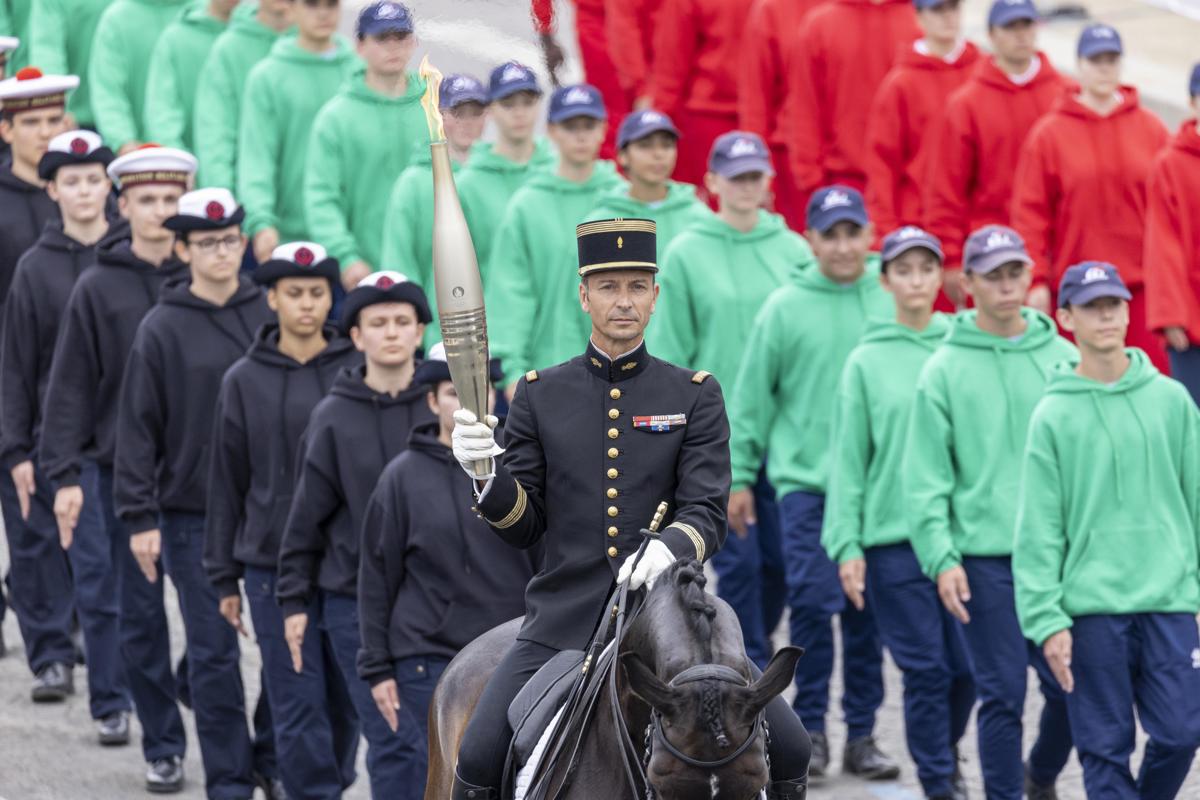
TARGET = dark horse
(712,717)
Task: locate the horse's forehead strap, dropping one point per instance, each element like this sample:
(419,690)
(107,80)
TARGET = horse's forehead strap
(709,672)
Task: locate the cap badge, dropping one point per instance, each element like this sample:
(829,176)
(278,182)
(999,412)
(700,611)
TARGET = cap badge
(29,74)
(576,96)
(214,210)
(999,239)
(1103,32)
(384,282)
(303,257)
(387,11)
(834,199)
(1094,274)
(909,232)
(651,118)
(513,72)
(742,147)
(620,242)
(79,146)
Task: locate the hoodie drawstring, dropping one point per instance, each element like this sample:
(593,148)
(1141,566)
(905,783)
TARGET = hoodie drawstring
(286,463)
(1112,443)
(1146,451)
(241,344)
(383,457)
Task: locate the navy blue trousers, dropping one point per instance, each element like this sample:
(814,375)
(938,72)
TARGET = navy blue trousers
(750,575)
(395,761)
(1185,368)
(1001,657)
(927,645)
(1147,661)
(814,597)
(416,678)
(316,729)
(39,580)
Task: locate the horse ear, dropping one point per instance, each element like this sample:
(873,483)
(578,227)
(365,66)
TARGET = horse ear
(775,679)
(646,685)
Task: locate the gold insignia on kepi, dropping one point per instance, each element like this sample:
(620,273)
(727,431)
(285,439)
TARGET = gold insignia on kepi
(617,244)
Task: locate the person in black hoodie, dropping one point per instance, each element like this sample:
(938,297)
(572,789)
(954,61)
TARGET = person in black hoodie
(98,325)
(432,576)
(265,401)
(182,349)
(352,434)
(73,167)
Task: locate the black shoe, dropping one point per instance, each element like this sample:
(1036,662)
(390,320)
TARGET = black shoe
(864,759)
(272,788)
(53,683)
(466,791)
(1035,791)
(165,776)
(113,730)
(818,764)
(787,790)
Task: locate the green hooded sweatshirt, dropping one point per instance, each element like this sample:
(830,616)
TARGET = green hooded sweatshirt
(1109,516)
(672,215)
(865,505)
(714,279)
(219,91)
(533,289)
(175,67)
(486,185)
(15,16)
(969,421)
(783,398)
(285,91)
(120,65)
(361,142)
(60,43)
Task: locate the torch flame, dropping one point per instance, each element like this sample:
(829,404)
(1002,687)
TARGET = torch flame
(429,101)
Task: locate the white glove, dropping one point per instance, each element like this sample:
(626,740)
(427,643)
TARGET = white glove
(474,441)
(654,562)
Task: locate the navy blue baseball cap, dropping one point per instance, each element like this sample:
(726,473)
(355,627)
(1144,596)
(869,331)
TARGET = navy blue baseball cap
(1084,282)
(739,152)
(512,77)
(385,16)
(993,246)
(641,124)
(580,100)
(910,237)
(833,204)
(1097,39)
(459,89)
(1004,12)
(1194,83)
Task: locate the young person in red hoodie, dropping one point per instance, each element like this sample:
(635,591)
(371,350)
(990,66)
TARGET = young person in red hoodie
(696,44)
(768,59)
(632,24)
(844,50)
(980,134)
(1080,187)
(1172,262)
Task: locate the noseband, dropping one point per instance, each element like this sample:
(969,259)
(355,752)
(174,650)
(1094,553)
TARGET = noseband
(703,672)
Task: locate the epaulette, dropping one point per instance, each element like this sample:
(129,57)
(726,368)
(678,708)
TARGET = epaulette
(531,376)
(701,376)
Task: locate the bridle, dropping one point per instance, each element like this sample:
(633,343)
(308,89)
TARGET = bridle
(703,672)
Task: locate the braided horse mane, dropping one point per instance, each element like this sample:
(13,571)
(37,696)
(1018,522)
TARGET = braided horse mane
(688,580)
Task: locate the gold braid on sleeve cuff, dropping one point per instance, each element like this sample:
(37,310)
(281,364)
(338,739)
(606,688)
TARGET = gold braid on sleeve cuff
(518,510)
(694,535)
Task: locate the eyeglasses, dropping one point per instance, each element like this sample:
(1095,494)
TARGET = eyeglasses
(231,242)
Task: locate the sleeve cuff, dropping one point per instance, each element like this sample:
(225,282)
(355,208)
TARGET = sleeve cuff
(684,541)
(140,523)
(503,502)
(293,605)
(227,587)
(69,477)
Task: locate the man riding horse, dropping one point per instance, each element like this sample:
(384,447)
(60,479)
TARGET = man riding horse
(593,445)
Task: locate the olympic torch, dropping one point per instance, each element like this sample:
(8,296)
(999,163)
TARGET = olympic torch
(459,289)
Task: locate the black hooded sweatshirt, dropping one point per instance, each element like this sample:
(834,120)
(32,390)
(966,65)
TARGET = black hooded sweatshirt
(352,435)
(32,313)
(98,325)
(169,395)
(264,405)
(432,576)
(24,211)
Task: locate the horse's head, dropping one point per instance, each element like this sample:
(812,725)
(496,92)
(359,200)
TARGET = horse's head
(685,659)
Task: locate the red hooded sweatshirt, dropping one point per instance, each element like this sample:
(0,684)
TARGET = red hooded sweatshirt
(768,58)
(977,142)
(1172,261)
(901,122)
(845,50)
(1079,192)
(630,25)
(696,51)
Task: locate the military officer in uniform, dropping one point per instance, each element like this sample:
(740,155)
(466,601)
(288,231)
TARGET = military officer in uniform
(613,425)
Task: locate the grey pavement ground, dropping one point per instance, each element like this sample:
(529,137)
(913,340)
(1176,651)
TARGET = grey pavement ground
(49,752)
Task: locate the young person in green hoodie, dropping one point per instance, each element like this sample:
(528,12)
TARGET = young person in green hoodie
(408,231)
(375,120)
(969,420)
(536,313)
(723,267)
(1106,546)
(782,404)
(647,148)
(283,94)
(119,67)
(220,85)
(60,41)
(864,531)
(15,29)
(175,67)
(495,172)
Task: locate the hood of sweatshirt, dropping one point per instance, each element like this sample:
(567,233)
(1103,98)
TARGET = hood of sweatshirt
(991,75)
(679,195)
(358,90)
(351,384)
(603,175)
(1065,380)
(11,182)
(197,16)
(484,157)
(810,276)
(1070,105)
(245,22)
(965,332)
(886,330)
(117,253)
(287,49)
(265,348)
(237,319)
(909,57)
(424,439)
(1188,138)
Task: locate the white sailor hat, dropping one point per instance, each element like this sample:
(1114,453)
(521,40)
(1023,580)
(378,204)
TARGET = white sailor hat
(298,260)
(7,45)
(206,210)
(31,90)
(73,147)
(385,286)
(152,163)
